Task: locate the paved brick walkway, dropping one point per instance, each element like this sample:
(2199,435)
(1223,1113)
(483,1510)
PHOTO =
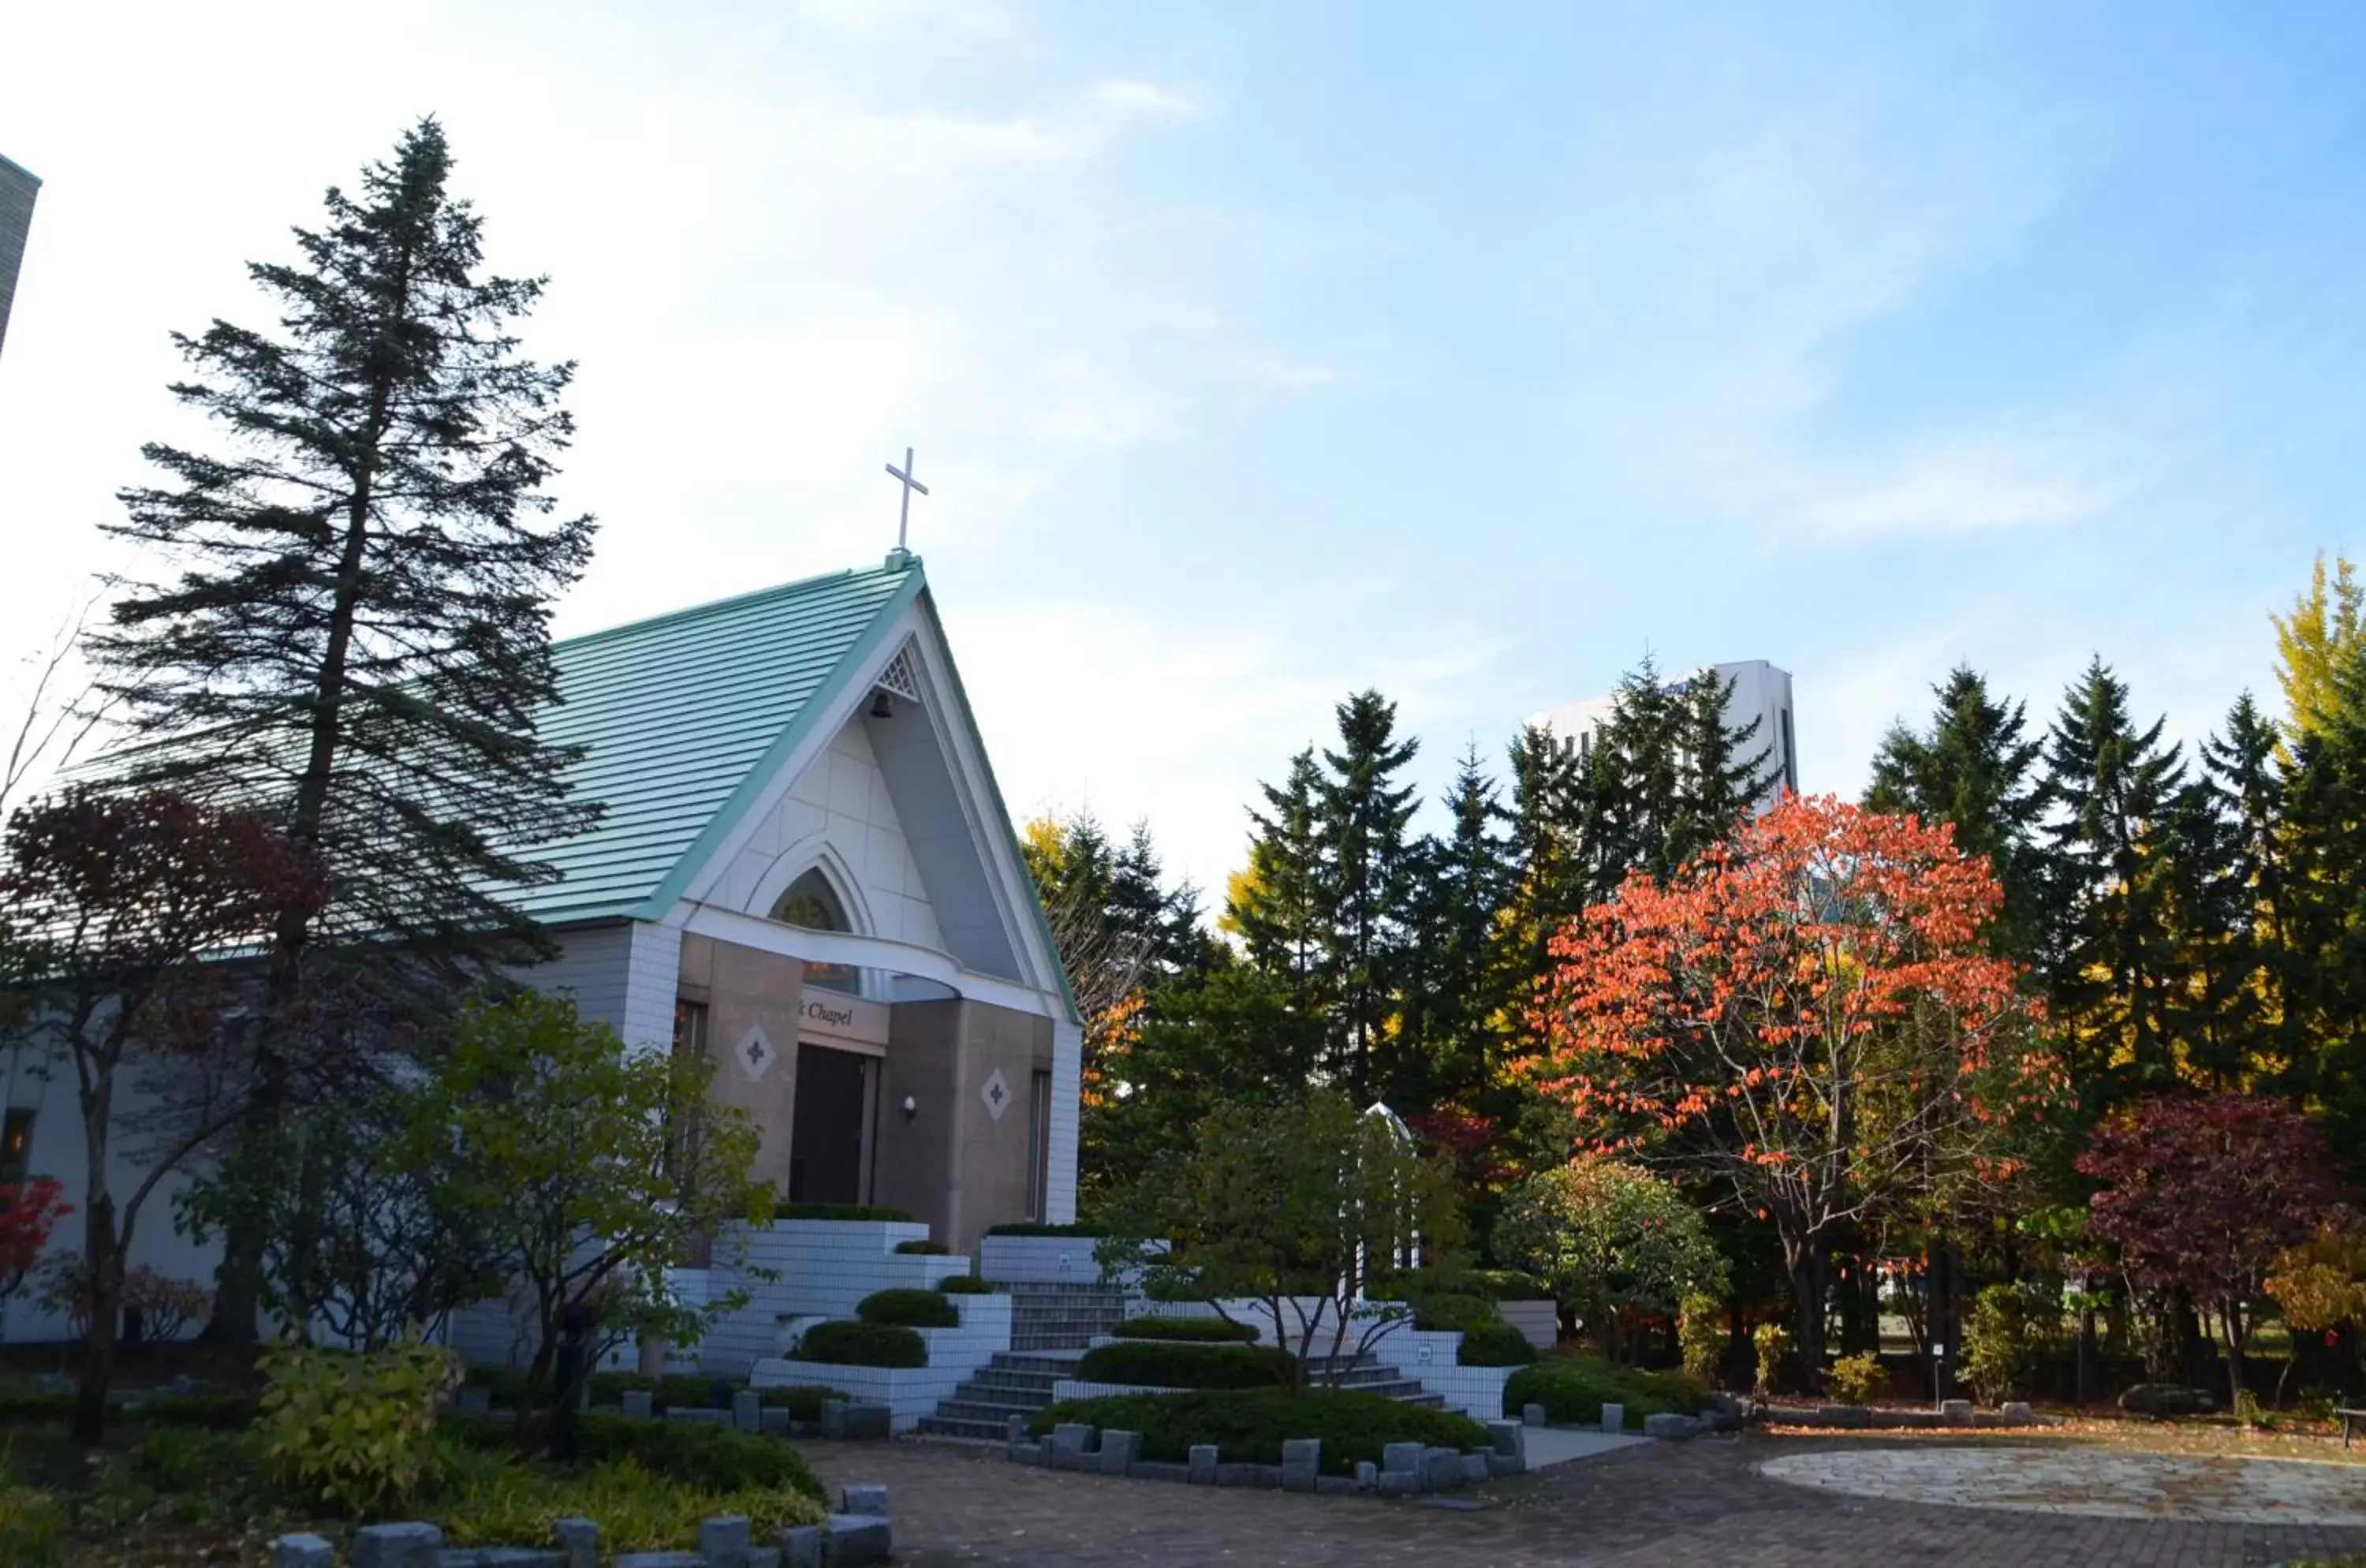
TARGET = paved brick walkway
(1675,1506)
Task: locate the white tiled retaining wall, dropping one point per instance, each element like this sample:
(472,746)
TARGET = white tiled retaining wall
(910,1393)
(1537,1322)
(822,1266)
(1038,1260)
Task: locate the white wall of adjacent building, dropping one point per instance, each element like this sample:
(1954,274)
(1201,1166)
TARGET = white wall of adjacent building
(1761,692)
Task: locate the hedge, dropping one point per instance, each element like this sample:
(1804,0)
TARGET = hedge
(1179,1364)
(212,1412)
(1204,1330)
(1453,1313)
(846,1342)
(913,1309)
(802,1402)
(1030,1228)
(1497,1345)
(838,1212)
(715,1458)
(1511,1285)
(675,1390)
(922,1247)
(1249,1426)
(964,1285)
(1575,1388)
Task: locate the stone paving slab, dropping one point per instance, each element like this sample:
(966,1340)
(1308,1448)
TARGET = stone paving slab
(1698,1504)
(2093,1483)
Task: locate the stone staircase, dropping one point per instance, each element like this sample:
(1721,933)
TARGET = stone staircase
(1063,1317)
(1050,1327)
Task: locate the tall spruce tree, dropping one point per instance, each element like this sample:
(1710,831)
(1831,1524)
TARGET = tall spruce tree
(1452,1000)
(1274,904)
(2107,952)
(356,640)
(1723,769)
(1973,769)
(1368,878)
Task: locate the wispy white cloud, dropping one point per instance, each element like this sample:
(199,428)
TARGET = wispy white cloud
(1127,96)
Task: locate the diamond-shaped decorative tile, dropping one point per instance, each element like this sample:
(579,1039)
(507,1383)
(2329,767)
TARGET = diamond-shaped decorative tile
(754,1054)
(995,1092)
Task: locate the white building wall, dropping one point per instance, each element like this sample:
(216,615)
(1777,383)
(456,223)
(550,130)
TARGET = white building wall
(59,1149)
(841,801)
(590,968)
(1761,691)
(652,980)
(1060,1155)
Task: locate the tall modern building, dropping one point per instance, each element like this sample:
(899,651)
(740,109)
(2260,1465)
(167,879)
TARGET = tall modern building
(1761,691)
(18,188)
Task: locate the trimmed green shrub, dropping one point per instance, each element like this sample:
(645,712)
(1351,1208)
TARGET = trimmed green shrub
(717,1458)
(922,1247)
(1497,1345)
(1030,1228)
(1772,1342)
(913,1309)
(803,1402)
(1453,1313)
(1167,1363)
(1575,1388)
(2001,1342)
(675,1390)
(787,1211)
(211,1412)
(1250,1425)
(1203,1330)
(354,1433)
(1858,1379)
(846,1342)
(1701,1334)
(1512,1285)
(964,1285)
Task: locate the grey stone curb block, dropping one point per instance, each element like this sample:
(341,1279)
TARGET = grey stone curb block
(859,1533)
(1406,1468)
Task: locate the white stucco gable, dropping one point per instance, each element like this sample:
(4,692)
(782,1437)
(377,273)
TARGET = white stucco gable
(838,814)
(891,796)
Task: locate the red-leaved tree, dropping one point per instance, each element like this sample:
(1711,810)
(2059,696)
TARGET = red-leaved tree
(1806,1018)
(29,1211)
(124,921)
(2201,1195)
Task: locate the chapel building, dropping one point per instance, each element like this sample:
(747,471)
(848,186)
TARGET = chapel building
(804,869)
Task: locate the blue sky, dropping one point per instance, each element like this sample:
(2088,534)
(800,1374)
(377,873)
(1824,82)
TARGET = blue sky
(1259,353)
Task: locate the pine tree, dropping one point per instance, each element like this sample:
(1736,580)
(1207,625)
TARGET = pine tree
(1724,768)
(2107,952)
(1452,1000)
(1634,784)
(356,641)
(1273,905)
(1367,886)
(1973,770)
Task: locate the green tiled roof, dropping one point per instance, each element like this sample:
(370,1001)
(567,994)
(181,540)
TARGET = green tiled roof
(684,717)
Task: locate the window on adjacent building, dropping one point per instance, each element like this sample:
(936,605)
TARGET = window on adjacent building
(16,1142)
(811,902)
(1039,1145)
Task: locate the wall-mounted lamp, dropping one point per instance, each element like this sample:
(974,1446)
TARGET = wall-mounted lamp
(882,705)
(911,1107)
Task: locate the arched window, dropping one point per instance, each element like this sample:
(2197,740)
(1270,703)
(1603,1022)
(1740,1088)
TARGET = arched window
(811,902)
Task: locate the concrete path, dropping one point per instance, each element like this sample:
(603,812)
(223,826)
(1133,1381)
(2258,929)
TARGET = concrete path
(2093,1483)
(1558,1445)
